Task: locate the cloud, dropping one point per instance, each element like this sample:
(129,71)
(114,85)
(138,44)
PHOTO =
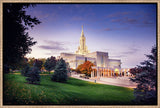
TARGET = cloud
(118,14)
(131,50)
(40,14)
(130,20)
(119,56)
(108,29)
(116,20)
(125,20)
(111,29)
(77,18)
(48,53)
(53,45)
(77,6)
(141,19)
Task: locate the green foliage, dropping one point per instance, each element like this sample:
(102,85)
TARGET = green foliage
(60,74)
(50,63)
(73,92)
(25,70)
(43,62)
(16,41)
(33,76)
(146,77)
(38,64)
(31,61)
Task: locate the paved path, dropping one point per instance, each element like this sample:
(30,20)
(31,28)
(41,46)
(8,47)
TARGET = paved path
(111,81)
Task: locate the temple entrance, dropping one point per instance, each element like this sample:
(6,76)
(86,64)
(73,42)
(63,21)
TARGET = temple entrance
(102,72)
(116,72)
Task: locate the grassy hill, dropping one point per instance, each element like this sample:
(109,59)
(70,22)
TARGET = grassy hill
(73,92)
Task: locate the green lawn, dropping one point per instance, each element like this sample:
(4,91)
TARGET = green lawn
(73,92)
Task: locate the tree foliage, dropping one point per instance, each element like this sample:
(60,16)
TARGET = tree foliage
(78,69)
(33,76)
(60,73)
(43,62)
(50,64)
(146,77)
(38,63)
(85,68)
(16,41)
(31,61)
(25,70)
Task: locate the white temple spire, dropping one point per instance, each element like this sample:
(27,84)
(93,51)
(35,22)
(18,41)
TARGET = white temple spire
(82,33)
(82,49)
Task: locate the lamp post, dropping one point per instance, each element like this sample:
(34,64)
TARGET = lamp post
(93,67)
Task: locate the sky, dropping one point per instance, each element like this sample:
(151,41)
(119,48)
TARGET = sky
(126,31)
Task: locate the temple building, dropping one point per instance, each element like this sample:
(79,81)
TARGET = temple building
(101,60)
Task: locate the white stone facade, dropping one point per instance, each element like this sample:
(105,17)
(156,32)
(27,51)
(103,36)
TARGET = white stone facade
(100,59)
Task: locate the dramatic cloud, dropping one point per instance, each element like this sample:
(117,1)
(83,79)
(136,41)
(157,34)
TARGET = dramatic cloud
(53,45)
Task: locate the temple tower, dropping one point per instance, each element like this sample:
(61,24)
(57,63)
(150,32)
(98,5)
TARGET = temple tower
(82,49)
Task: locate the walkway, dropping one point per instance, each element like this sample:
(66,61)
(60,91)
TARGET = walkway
(111,81)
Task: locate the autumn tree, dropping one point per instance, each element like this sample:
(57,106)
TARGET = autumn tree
(50,63)
(146,78)
(78,69)
(16,40)
(85,68)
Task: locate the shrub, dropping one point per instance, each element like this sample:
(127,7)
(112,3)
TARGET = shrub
(33,76)
(60,74)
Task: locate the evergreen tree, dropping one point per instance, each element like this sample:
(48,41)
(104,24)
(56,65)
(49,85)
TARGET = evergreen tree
(38,63)
(146,77)
(60,74)
(33,76)
(50,64)
(16,41)
(25,70)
